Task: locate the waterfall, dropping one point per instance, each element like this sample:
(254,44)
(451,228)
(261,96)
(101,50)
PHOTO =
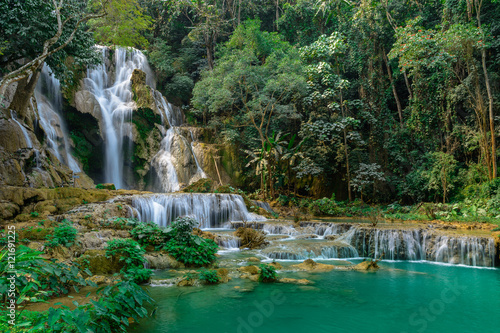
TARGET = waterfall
(228,241)
(420,244)
(164,161)
(355,240)
(114,96)
(264,205)
(49,101)
(210,210)
(27,139)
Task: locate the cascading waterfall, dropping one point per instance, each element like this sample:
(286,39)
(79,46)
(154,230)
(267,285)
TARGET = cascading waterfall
(390,244)
(264,205)
(211,210)
(415,244)
(49,101)
(164,160)
(27,138)
(115,100)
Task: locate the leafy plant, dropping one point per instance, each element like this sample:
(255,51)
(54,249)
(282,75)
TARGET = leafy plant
(151,234)
(129,251)
(34,214)
(209,276)
(138,274)
(197,252)
(110,313)
(267,273)
(188,248)
(64,235)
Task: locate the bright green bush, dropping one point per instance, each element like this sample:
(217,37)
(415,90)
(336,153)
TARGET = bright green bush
(324,206)
(209,276)
(128,250)
(151,234)
(188,248)
(131,254)
(267,273)
(64,234)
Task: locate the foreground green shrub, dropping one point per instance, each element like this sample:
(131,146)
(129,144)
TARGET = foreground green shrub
(38,279)
(188,248)
(151,234)
(110,313)
(132,256)
(129,251)
(267,273)
(209,276)
(64,235)
(197,252)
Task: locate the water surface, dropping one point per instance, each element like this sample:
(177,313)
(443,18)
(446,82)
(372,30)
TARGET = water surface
(401,297)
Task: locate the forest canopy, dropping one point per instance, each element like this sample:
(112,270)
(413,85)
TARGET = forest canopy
(385,100)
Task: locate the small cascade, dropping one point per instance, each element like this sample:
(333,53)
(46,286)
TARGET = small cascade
(310,249)
(228,241)
(264,205)
(114,96)
(280,229)
(166,159)
(420,244)
(346,240)
(49,101)
(164,165)
(27,139)
(211,210)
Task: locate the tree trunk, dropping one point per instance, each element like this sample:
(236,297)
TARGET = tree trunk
(407,82)
(478,4)
(394,92)
(492,119)
(346,151)
(23,94)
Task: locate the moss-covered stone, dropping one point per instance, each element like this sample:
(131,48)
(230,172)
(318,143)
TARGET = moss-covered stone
(204,185)
(34,233)
(142,92)
(97,262)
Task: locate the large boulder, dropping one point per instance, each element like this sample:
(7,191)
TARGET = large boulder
(312,266)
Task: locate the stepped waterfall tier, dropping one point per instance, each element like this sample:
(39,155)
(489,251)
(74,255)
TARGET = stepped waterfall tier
(211,210)
(49,101)
(346,240)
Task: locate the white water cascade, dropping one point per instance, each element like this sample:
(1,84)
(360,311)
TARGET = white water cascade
(211,210)
(114,96)
(344,240)
(49,101)
(27,139)
(164,161)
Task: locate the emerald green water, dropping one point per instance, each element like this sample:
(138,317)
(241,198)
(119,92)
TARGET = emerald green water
(401,297)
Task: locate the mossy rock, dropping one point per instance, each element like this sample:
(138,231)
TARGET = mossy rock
(106,186)
(97,262)
(142,92)
(204,185)
(34,233)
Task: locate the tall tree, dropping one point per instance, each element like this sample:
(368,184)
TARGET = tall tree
(39,31)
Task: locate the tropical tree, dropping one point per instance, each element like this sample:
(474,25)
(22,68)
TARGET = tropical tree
(37,31)
(257,83)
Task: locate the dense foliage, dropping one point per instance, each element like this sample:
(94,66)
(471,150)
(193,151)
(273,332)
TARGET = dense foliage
(64,235)
(267,273)
(209,276)
(187,248)
(131,255)
(391,100)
